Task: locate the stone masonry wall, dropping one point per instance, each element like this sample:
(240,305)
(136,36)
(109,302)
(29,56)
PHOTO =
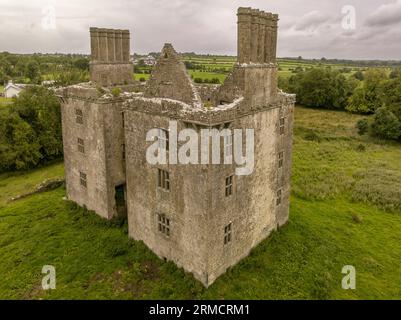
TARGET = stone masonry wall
(186,204)
(92,162)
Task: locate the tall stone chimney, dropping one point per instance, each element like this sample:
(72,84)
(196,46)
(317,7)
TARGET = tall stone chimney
(255,74)
(110,57)
(257,36)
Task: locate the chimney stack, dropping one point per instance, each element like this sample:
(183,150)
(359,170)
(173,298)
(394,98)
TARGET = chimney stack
(257,36)
(110,57)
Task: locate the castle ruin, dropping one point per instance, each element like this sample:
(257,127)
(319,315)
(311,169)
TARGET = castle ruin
(203,217)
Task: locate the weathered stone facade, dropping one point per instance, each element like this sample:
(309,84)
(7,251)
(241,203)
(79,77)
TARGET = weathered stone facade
(191,221)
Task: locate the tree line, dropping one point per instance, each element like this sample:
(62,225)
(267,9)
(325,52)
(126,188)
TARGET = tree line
(372,92)
(33,69)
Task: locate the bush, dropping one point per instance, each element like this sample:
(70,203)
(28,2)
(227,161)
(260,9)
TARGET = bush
(215,80)
(386,125)
(362,126)
(198,80)
(116,92)
(142,79)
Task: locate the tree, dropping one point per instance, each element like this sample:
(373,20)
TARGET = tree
(359,75)
(70,77)
(19,149)
(32,71)
(395,73)
(40,109)
(367,97)
(81,64)
(320,88)
(386,125)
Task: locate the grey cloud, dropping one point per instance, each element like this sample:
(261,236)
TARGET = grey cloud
(310,28)
(311,21)
(386,15)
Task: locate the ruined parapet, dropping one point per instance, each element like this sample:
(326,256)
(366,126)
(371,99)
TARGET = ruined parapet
(257,36)
(110,57)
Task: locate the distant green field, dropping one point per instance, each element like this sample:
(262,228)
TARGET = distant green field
(341,184)
(287,67)
(209,67)
(207,75)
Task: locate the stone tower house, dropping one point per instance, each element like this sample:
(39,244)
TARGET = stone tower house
(203,217)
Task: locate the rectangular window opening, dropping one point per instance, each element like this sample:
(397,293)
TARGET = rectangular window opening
(228,147)
(81,145)
(229,186)
(163,179)
(280,159)
(83,179)
(79,116)
(279,198)
(282,125)
(227,233)
(163,224)
(163,138)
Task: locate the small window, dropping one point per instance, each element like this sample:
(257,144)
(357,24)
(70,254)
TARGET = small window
(81,145)
(163,224)
(82,178)
(228,147)
(163,179)
(79,116)
(279,195)
(229,185)
(227,233)
(282,125)
(123,119)
(163,138)
(123,150)
(280,159)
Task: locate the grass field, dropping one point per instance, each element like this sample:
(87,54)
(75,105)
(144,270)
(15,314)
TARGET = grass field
(286,66)
(342,184)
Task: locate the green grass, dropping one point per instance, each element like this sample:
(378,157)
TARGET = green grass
(138,76)
(207,75)
(329,227)
(4,102)
(13,184)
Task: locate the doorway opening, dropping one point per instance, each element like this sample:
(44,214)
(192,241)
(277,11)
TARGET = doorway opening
(121,202)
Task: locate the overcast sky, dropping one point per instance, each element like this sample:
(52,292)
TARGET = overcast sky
(308,28)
